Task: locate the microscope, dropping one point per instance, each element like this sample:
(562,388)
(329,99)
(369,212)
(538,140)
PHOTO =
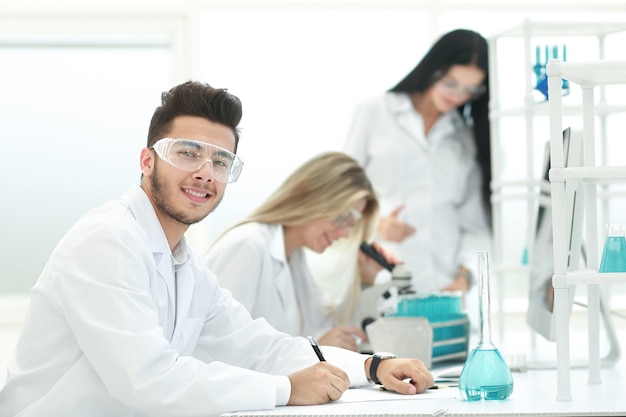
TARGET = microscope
(431,327)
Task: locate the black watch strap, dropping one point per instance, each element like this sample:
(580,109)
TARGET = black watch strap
(376,359)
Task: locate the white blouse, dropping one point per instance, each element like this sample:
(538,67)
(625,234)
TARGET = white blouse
(436,177)
(250,261)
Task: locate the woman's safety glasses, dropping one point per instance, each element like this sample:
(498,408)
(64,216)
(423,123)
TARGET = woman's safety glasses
(451,86)
(348,219)
(191,155)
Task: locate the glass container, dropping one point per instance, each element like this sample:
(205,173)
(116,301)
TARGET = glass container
(614,253)
(485,374)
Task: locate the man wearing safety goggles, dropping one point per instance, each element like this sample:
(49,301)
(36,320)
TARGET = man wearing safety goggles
(125,319)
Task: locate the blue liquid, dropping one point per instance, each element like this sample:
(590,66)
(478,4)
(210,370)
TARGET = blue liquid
(485,376)
(488,393)
(614,255)
(525,257)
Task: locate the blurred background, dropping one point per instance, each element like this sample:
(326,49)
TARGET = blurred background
(79,81)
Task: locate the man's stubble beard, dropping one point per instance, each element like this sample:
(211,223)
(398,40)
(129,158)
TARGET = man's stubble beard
(159,194)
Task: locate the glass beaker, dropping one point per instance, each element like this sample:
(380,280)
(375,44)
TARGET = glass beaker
(614,253)
(485,374)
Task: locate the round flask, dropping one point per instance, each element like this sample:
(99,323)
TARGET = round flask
(485,374)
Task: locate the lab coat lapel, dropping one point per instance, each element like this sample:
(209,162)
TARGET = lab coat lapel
(173,288)
(185,285)
(407,118)
(163,288)
(284,281)
(162,291)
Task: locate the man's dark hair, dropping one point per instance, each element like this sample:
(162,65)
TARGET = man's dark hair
(194,98)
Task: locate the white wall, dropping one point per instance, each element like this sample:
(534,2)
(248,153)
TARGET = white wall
(82,106)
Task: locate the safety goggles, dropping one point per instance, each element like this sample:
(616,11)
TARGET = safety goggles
(190,155)
(451,86)
(347,219)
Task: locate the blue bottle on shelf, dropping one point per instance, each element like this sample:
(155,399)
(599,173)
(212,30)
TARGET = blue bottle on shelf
(485,375)
(614,253)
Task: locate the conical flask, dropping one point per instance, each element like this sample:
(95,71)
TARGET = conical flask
(485,374)
(614,253)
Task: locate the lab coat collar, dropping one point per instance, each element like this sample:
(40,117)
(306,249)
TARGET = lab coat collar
(401,106)
(143,211)
(277,244)
(399,103)
(286,292)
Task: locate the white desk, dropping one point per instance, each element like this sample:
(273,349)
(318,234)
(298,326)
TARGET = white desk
(534,393)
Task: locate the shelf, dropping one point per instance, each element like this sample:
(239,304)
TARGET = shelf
(567,206)
(589,174)
(564,29)
(541,109)
(585,76)
(589,74)
(586,277)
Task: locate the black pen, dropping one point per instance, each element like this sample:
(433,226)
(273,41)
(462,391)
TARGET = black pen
(316,348)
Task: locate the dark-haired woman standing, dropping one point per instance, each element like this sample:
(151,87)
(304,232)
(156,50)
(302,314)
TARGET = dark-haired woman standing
(425,146)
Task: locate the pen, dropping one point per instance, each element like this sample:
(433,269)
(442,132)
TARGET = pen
(316,348)
(443,386)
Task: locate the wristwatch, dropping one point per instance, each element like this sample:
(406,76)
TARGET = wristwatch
(376,358)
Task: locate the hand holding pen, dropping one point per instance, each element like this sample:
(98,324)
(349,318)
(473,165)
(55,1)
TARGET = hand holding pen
(319,383)
(393,373)
(316,348)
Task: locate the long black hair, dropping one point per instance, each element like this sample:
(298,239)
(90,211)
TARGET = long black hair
(460,47)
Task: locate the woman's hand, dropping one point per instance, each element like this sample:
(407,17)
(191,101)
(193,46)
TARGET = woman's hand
(393,229)
(369,268)
(462,281)
(347,337)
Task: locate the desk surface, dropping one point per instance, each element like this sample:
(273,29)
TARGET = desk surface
(534,394)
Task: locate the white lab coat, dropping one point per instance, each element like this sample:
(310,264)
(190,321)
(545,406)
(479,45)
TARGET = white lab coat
(118,325)
(250,261)
(436,177)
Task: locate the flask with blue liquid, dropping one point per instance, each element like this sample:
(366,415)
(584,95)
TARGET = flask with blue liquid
(485,375)
(614,253)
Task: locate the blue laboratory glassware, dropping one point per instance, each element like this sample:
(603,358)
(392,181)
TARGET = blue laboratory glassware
(485,375)
(614,253)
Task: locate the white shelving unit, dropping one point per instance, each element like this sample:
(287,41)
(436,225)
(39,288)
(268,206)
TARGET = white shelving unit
(525,188)
(587,76)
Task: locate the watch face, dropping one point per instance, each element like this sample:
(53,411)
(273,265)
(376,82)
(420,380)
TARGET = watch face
(385,355)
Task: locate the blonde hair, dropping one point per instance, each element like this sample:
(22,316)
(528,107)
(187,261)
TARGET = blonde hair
(323,187)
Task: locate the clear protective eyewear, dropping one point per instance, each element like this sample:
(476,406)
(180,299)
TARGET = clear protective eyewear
(347,219)
(452,86)
(190,155)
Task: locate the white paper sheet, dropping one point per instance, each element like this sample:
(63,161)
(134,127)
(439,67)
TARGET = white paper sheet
(375,393)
